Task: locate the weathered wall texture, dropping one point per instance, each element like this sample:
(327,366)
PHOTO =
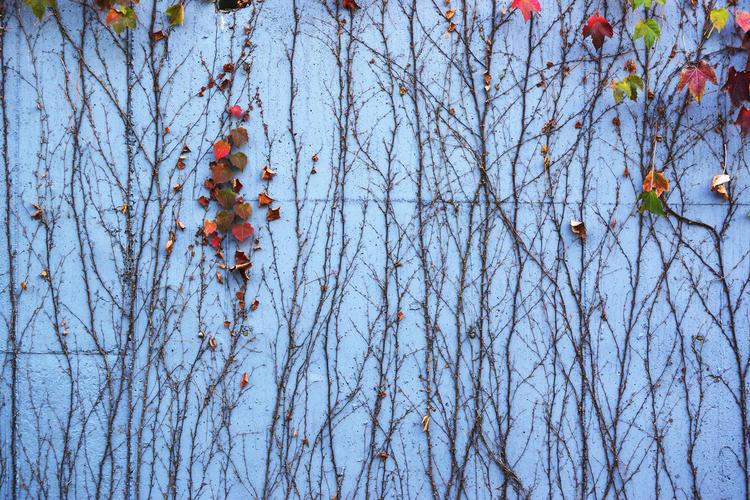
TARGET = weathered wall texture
(548,366)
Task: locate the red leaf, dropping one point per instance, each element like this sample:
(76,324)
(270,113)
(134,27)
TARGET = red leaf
(221,149)
(203,201)
(597,28)
(742,19)
(738,86)
(526,7)
(242,231)
(349,5)
(216,241)
(743,120)
(236,111)
(244,381)
(695,77)
(113,16)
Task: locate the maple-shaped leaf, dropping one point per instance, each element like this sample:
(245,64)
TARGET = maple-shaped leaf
(236,111)
(597,28)
(209,227)
(646,3)
(224,220)
(719,18)
(648,30)
(742,19)
(243,210)
(650,202)
(656,182)
(242,231)
(743,120)
(695,77)
(264,199)
(627,87)
(221,149)
(175,14)
(738,86)
(527,7)
(121,19)
(350,5)
(238,136)
(221,171)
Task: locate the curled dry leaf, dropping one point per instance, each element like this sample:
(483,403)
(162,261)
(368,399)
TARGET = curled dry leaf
(400,315)
(719,185)
(254,305)
(267,174)
(245,380)
(449,14)
(273,214)
(578,228)
(170,244)
(264,199)
(212,343)
(425,423)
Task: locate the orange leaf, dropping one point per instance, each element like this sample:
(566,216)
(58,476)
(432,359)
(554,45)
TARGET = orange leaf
(221,149)
(209,227)
(268,174)
(264,199)
(245,380)
(236,111)
(656,182)
(273,214)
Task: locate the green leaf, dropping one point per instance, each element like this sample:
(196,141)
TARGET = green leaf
(226,197)
(651,203)
(627,87)
(121,19)
(646,3)
(175,14)
(224,220)
(648,30)
(39,7)
(719,18)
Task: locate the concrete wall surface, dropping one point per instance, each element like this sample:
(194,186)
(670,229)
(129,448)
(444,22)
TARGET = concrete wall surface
(414,315)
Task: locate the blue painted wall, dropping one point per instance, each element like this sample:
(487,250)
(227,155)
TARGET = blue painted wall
(427,322)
